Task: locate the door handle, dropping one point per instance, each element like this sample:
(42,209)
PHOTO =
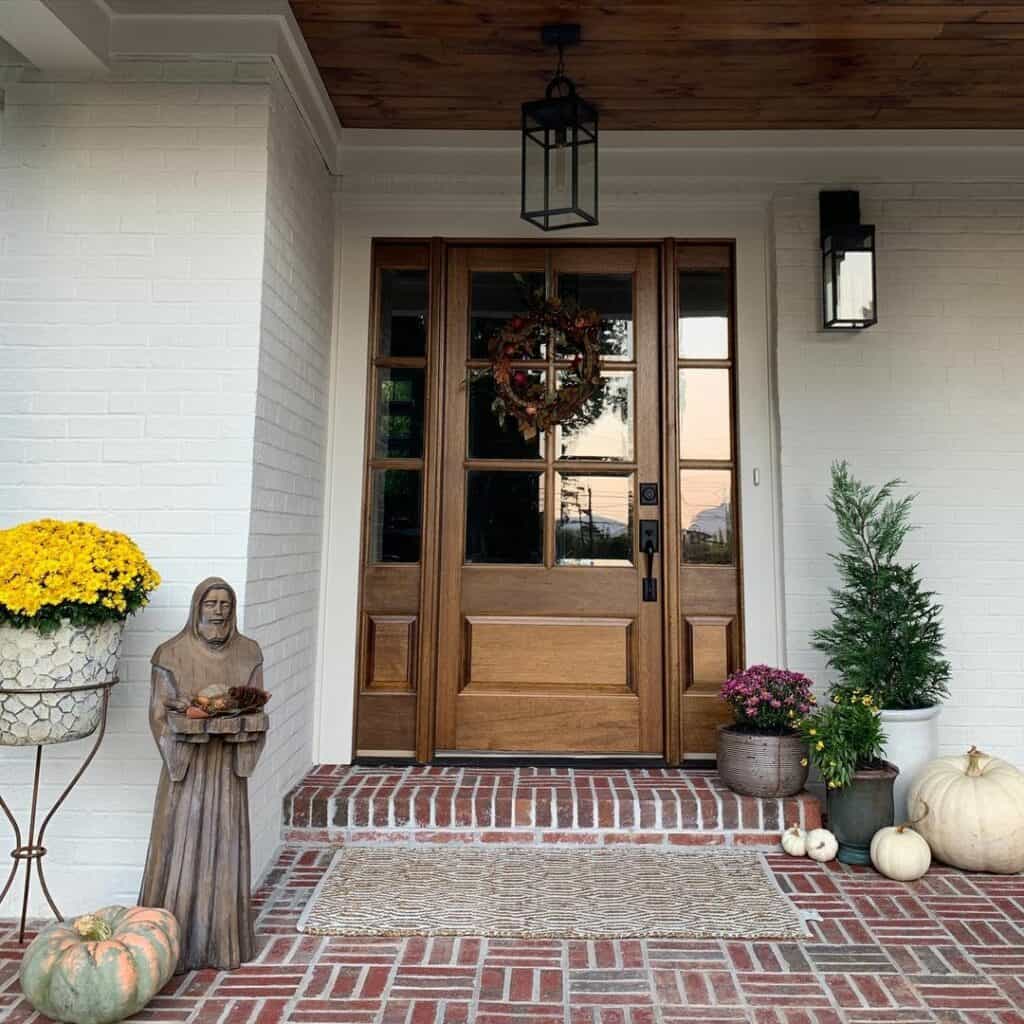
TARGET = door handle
(649,538)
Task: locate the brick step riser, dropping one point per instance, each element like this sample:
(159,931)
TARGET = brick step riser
(344,837)
(431,805)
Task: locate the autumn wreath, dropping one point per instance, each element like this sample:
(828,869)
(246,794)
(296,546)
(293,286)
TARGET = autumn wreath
(575,335)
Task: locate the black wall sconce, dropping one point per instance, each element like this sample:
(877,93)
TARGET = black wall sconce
(849,293)
(559,151)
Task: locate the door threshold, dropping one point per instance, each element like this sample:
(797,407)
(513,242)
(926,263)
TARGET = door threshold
(463,758)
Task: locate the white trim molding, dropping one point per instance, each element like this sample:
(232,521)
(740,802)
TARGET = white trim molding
(656,168)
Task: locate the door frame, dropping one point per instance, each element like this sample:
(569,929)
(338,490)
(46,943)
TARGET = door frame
(685,214)
(427,652)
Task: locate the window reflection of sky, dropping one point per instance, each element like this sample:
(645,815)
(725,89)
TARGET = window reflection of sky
(704,337)
(610,434)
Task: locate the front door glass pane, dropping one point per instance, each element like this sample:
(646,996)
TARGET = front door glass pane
(704,414)
(612,296)
(594,524)
(497,296)
(704,314)
(399,413)
(707,526)
(489,439)
(403,312)
(395,524)
(504,517)
(604,427)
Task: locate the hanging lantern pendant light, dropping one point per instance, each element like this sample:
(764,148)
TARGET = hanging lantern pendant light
(559,148)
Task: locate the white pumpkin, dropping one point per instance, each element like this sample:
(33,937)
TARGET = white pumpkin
(900,853)
(973,809)
(794,841)
(821,845)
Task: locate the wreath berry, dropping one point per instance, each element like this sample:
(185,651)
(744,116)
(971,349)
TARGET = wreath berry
(575,335)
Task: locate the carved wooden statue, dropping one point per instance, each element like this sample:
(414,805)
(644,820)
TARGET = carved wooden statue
(198,862)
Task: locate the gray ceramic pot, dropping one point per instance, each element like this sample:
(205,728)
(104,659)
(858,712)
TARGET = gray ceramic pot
(857,811)
(757,765)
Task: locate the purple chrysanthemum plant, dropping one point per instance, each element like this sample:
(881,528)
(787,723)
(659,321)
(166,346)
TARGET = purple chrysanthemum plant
(768,700)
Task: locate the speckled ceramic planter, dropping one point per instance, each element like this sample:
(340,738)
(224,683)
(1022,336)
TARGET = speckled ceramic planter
(71,656)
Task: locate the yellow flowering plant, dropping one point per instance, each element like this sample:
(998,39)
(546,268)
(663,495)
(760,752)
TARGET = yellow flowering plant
(52,570)
(844,736)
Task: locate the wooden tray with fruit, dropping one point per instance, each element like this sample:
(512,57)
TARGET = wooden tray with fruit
(235,714)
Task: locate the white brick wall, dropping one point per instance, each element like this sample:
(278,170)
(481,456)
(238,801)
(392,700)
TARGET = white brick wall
(932,394)
(283,586)
(134,302)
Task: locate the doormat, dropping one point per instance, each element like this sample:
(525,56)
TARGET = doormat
(551,892)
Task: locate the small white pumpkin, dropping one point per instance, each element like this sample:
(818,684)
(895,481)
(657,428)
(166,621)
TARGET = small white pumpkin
(900,853)
(821,845)
(975,818)
(794,841)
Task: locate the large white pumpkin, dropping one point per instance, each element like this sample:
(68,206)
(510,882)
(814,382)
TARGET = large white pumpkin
(970,811)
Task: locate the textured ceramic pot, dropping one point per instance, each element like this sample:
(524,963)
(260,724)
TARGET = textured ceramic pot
(758,765)
(912,741)
(857,811)
(70,656)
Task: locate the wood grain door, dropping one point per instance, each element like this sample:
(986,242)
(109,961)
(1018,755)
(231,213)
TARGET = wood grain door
(545,642)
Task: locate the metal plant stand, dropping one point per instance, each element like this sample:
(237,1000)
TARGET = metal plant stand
(34,850)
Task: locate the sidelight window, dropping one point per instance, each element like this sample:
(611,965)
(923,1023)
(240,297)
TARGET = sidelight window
(706,422)
(398,406)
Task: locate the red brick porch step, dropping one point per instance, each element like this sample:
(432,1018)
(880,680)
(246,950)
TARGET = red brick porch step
(338,804)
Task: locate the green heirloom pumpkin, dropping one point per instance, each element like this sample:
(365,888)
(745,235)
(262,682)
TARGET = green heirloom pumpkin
(102,967)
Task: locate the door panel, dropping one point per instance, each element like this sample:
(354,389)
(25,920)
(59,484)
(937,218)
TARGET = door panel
(392,643)
(708,551)
(529,652)
(545,644)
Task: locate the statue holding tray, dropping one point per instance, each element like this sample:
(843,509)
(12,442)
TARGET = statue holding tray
(205,714)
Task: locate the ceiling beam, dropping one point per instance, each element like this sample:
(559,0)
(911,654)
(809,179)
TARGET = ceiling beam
(58,35)
(85,35)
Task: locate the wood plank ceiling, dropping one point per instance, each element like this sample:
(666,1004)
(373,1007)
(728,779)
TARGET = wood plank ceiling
(676,64)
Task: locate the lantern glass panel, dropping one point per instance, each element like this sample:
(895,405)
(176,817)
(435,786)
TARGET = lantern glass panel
(587,197)
(534,155)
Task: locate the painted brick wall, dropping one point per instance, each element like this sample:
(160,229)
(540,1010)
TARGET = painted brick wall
(932,394)
(135,297)
(283,584)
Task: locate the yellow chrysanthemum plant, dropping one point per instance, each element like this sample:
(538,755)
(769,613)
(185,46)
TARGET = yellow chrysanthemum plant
(53,570)
(844,736)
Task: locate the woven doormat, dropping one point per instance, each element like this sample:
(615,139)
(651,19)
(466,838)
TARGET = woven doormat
(551,892)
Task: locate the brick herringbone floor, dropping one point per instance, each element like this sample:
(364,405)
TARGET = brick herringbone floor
(948,949)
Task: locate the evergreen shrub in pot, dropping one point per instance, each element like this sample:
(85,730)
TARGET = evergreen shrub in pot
(762,753)
(886,634)
(846,741)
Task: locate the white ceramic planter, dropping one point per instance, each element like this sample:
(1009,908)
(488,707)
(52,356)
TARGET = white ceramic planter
(912,741)
(70,656)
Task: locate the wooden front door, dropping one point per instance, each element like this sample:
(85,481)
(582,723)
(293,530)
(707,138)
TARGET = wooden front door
(545,641)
